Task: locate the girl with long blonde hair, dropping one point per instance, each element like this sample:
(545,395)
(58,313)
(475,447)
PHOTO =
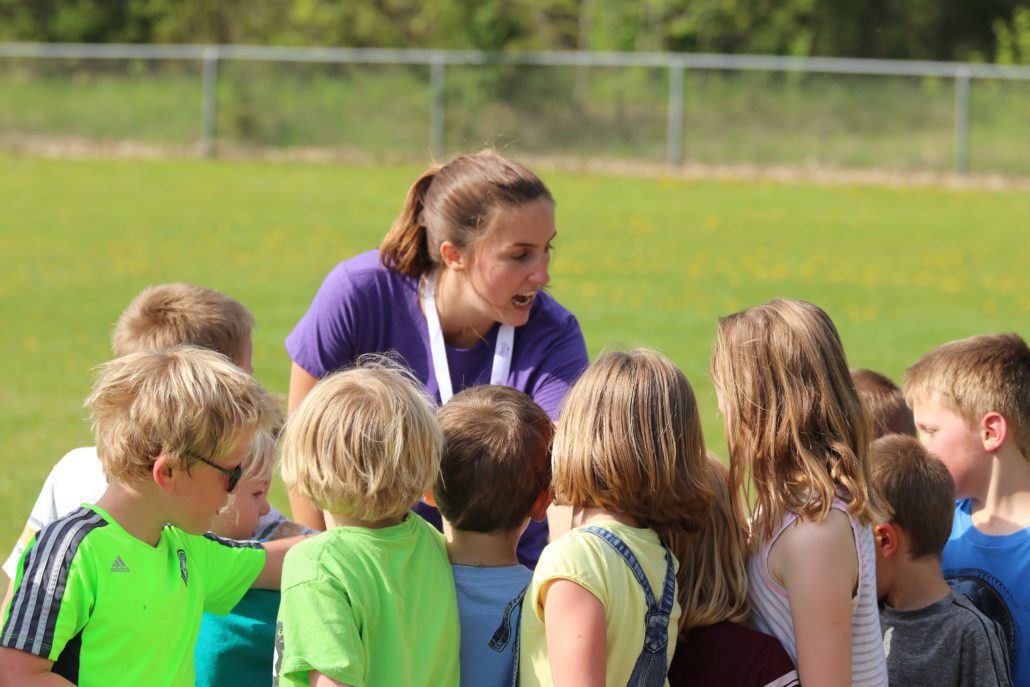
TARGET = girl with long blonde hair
(798,441)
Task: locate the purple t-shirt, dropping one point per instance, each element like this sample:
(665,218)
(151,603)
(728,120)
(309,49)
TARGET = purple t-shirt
(362,307)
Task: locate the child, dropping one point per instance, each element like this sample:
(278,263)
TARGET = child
(630,459)
(159,317)
(494,477)
(112,594)
(930,634)
(798,438)
(971,401)
(712,582)
(371,601)
(237,648)
(884,404)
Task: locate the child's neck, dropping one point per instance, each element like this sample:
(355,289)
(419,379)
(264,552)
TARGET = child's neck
(581,517)
(133,509)
(1005,509)
(343,520)
(481,550)
(919,584)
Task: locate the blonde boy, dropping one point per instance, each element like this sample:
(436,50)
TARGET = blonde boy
(494,478)
(930,633)
(158,317)
(112,594)
(370,601)
(971,402)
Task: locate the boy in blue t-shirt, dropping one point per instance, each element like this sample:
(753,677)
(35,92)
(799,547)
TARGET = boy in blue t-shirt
(494,477)
(112,594)
(971,402)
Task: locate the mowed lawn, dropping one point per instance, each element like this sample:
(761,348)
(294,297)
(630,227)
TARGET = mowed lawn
(639,260)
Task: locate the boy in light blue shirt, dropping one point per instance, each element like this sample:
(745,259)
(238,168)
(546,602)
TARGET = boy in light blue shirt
(495,474)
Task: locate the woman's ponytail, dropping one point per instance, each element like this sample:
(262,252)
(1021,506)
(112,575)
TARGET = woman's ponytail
(405,249)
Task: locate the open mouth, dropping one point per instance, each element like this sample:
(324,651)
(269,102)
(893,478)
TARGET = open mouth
(523,299)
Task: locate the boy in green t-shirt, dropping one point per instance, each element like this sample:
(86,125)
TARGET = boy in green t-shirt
(370,601)
(112,594)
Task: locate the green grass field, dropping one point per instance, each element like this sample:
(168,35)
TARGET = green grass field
(650,261)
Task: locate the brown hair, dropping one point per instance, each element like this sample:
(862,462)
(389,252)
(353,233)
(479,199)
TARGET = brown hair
(184,400)
(364,442)
(169,315)
(629,439)
(712,576)
(792,415)
(456,202)
(883,403)
(917,488)
(496,459)
(975,376)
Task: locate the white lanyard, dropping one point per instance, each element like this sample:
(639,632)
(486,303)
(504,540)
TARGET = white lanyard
(502,351)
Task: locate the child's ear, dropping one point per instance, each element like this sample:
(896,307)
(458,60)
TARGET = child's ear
(430,499)
(994,428)
(539,510)
(163,471)
(886,537)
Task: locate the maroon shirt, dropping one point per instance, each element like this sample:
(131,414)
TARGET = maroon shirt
(730,654)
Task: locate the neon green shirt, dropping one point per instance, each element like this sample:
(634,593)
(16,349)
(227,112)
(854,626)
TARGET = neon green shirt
(369,607)
(110,609)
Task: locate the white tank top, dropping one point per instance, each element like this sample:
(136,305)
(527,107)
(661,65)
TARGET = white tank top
(770,609)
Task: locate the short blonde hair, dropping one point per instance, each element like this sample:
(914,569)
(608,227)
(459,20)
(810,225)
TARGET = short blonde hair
(796,431)
(712,577)
(363,442)
(183,401)
(175,314)
(975,376)
(629,439)
(260,458)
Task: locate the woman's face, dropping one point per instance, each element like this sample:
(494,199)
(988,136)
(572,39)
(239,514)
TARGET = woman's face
(510,267)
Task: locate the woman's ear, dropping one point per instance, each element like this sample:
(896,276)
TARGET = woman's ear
(453,257)
(163,472)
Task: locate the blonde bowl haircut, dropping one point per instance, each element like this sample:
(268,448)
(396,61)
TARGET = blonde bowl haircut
(712,576)
(364,442)
(976,376)
(180,401)
(175,314)
(796,430)
(629,440)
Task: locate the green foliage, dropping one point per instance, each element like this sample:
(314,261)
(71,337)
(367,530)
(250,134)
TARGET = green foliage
(900,29)
(1013,38)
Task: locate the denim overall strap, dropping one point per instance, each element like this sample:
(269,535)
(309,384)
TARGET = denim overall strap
(503,634)
(652,664)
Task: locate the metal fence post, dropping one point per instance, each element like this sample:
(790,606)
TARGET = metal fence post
(962,78)
(210,100)
(674,140)
(436,121)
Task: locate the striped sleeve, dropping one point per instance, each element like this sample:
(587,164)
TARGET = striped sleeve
(50,604)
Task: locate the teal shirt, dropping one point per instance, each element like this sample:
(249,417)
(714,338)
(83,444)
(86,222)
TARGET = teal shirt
(236,649)
(369,607)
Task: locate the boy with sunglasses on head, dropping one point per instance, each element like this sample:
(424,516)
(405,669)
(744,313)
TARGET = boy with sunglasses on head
(95,588)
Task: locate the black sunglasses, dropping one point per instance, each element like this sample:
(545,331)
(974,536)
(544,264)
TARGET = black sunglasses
(234,475)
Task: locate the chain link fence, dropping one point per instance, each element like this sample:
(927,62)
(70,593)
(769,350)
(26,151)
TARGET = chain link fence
(392,105)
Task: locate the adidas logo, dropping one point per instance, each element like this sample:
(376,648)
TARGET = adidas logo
(119,565)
